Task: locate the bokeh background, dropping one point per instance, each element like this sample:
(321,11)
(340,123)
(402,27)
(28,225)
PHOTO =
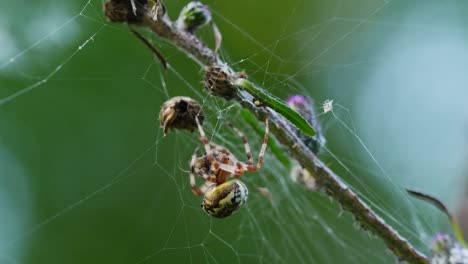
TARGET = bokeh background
(87,177)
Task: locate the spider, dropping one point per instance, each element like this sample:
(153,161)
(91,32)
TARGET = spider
(223,197)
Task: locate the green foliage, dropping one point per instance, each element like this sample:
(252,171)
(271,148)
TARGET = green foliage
(276,104)
(104,186)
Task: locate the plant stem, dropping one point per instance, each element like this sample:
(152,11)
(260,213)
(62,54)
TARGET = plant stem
(280,127)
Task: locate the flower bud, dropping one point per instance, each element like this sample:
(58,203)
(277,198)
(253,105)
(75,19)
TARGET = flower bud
(445,249)
(193,16)
(120,11)
(218,82)
(179,113)
(305,108)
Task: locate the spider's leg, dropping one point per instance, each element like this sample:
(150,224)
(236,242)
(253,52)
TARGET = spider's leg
(263,148)
(206,145)
(203,138)
(244,140)
(225,151)
(193,170)
(236,170)
(206,186)
(206,176)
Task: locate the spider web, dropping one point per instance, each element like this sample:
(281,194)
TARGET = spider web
(89,178)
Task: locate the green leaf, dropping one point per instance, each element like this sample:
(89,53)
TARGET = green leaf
(278,105)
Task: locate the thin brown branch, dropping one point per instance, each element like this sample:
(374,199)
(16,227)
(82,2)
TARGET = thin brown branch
(151,47)
(282,129)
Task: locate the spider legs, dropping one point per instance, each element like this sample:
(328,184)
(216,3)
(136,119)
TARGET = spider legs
(219,163)
(193,183)
(244,140)
(248,167)
(216,165)
(196,170)
(206,145)
(203,138)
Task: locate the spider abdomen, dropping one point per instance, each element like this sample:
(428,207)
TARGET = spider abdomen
(223,200)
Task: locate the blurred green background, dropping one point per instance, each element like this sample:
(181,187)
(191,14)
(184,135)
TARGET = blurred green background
(87,176)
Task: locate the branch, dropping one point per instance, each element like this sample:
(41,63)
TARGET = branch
(285,132)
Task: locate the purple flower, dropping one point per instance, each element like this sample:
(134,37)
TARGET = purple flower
(299,103)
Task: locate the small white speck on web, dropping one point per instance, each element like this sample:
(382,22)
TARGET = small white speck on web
(327,106)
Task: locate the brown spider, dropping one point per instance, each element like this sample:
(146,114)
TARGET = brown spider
(216,166)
